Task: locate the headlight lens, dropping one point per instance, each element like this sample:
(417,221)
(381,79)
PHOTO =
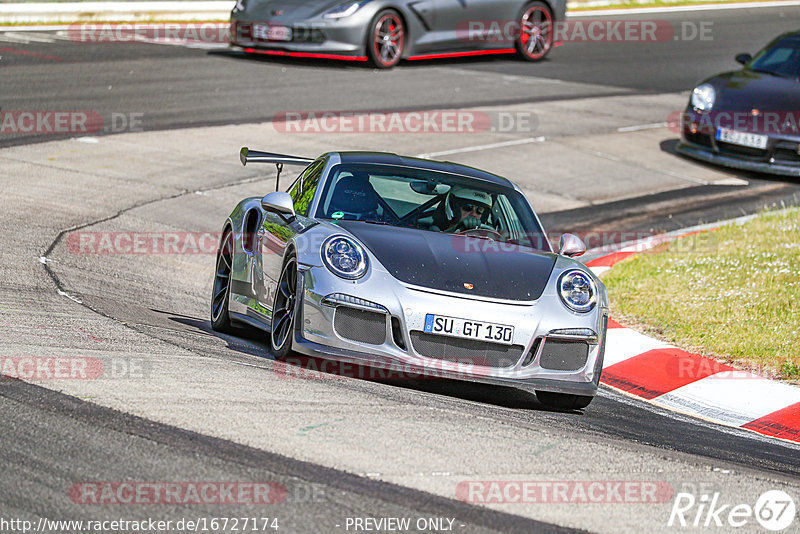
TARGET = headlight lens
(703,97)
(344,10)
(577,291)
(344,257)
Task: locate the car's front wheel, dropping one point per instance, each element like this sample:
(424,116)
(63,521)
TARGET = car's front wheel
(283,310)
(221,291)
(386,40)
(563,401)
(535,38)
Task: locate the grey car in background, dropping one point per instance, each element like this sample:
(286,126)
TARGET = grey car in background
(382,32)
(423,267)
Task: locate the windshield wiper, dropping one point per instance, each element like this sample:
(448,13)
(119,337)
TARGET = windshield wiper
(361,220)
(463,234)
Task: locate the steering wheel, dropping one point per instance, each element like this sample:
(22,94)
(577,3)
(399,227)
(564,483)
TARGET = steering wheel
(472,226)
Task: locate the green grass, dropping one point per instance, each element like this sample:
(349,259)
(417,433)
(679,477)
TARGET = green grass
(732,294)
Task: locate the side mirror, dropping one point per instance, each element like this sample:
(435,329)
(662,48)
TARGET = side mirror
(571,245)
(279,202)
(744,59)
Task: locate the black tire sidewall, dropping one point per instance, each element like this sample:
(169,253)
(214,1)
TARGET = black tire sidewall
(563,401)
(223,322)
(286,348)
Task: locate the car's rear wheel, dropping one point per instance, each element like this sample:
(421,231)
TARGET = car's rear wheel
(386,40)
(283,310)
(535,38)
(563,401)
(221,290)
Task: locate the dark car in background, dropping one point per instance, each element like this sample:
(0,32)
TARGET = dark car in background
(382,32)
(749,119)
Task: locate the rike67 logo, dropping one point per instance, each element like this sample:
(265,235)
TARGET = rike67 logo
(774,510)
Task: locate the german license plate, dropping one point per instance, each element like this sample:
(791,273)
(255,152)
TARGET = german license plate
(469,329)
(742,138)
(265,32)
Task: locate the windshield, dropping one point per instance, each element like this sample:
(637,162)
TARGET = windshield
(781,59)
(431,201)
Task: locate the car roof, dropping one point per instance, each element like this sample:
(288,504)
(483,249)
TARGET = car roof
(388,158)
(793,35)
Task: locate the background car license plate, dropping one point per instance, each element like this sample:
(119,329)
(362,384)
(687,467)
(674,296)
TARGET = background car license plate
(742,138)
(469,329)
(265,32)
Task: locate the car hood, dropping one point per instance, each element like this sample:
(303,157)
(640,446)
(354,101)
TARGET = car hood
(288,10)
(745,90)
(456,263)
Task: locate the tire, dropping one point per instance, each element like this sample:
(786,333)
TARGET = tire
(221,290)
(536,27)
(386,39)
(283,310)
(563,401)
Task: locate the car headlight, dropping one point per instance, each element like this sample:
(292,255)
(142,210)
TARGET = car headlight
(344,257)
(577,290)
(703,97)
(344,10)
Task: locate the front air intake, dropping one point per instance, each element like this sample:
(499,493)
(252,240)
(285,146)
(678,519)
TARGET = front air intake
(466,351)
(564,355)
(359,325)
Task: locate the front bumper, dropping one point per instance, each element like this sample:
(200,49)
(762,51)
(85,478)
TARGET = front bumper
(699,141)
(759,164)
(399,321)
(337,40)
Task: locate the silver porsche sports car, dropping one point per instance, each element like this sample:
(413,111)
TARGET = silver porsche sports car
(385,31)
(428,267)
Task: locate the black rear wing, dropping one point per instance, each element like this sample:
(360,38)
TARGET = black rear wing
(256,156)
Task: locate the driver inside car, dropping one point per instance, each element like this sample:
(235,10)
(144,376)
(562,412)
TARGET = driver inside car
(466,209)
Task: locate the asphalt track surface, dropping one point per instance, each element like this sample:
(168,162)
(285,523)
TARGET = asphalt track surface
(177,87)
(150,308)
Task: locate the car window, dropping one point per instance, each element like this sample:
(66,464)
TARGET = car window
(782,59)
(302,191)
(428,200)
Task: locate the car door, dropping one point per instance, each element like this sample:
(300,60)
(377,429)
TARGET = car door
(462,24)
(276,231)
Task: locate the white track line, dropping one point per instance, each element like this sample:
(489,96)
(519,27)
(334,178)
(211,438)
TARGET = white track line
(7,38)
(640,127)
(483,147)
(30,37)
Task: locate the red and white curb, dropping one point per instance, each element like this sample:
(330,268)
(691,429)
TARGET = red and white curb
(692,384)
